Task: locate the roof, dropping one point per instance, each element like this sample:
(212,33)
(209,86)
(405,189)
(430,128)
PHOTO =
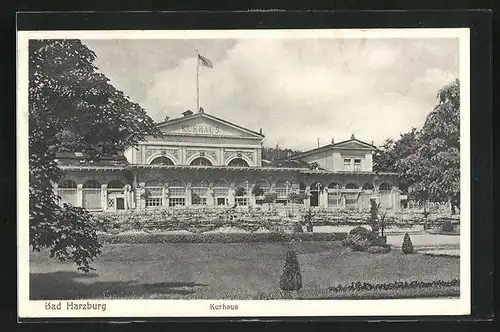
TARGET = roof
(227,168)
(208,116)
(338,146)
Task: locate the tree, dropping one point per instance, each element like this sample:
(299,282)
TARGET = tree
(291,279)
(434,168)
(387,157)
(240,191)
(72,107)
(257,191)
(407,246)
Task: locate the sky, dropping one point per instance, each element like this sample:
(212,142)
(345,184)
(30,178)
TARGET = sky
(296,90)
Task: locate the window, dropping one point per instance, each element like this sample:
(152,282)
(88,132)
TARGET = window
(176,201)
(282,189)
(347,164)
(221,191)
(385,187)
(67,192)
(200,161)
(264,185)
(154,190)
(177,190)
(241,200)
(92,195)
(162,161)
(238,162)
(199,192)
(357,165)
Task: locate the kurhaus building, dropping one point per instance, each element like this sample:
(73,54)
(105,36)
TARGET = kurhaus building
(206,161)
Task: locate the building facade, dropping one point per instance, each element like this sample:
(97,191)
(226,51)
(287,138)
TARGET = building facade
(206,161)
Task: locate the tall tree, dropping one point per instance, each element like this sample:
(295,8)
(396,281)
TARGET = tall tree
(434,168)
(72,107)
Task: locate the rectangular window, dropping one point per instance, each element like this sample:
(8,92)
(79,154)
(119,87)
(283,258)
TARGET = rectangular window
(334,199)
(281,192)
(347,164)
(153,202)
(200,201)
(176,202)
(221,192)
(177,191)
(241,200)
(357,165)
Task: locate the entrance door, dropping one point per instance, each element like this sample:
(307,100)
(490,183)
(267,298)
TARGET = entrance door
(221,201)
(120,203)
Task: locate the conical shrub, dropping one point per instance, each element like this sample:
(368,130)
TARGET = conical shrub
(407,245)
(291,279)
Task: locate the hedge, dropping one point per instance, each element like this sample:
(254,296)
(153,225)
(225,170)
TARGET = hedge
(365,286)
(137,238)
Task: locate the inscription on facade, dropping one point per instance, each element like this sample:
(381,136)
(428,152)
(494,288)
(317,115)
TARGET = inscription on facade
(200,129)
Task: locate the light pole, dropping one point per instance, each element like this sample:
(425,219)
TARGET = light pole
(246,194)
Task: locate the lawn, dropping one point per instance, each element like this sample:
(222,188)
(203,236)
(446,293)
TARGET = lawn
(229,271)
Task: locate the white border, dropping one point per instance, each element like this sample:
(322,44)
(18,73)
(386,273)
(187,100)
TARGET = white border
(281,308)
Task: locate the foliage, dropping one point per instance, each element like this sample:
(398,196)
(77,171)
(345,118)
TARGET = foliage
(72,107)
(407,246)
(447,226)
(195,198)
(278,153)
(240,191)
(295,197)
(291,279)
(270,197)
(297,227)
(378,249)
(433,171)
(314,166)
(363,286)
(257,191)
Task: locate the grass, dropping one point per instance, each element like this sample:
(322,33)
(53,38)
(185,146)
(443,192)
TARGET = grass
(231,271)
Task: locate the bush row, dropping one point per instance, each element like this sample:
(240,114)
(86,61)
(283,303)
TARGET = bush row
(364,286)
(218,238)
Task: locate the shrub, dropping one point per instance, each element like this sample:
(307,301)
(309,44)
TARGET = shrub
(363,232)
(407,245)
(360,243)
(291,279)
(378,249)
(297,227)
(447,226)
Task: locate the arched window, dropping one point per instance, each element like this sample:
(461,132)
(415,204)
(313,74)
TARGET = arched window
(154,190)
(351,186)
(91,195)
(368,186)
(200,161)
(334,194)
(384,186)
(334,185)
(199,193)
(221,192)
(282,189)
(162,160)
(238,162)
(177,190)
(92,184)
(115,184)
(66,190)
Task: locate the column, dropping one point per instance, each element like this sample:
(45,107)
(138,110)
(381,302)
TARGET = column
(104,197)
(210,194)
(188,194)
(396,201)
(252,201)
(56,193)
(231,194)
(164,195)
(79,195)
(307,198)
(325,197)
(342,201)
(141,200)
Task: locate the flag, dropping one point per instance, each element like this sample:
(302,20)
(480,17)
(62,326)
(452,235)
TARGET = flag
(204,61)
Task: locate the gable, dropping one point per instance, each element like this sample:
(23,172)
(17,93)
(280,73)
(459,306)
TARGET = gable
(354,145)
(204,125)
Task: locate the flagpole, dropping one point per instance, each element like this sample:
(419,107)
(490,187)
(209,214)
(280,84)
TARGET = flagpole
(197,81)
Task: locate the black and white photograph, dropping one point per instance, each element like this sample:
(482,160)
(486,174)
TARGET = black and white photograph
(243,173)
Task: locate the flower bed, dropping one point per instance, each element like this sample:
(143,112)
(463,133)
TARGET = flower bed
(135,238)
